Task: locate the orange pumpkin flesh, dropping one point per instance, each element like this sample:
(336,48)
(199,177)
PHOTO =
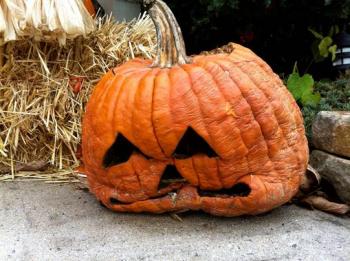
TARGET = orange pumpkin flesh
(220,133)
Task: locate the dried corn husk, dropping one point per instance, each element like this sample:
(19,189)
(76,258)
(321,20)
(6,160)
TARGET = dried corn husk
(40,114)
(2,20)
(46,19)
(16,15)
(9,32)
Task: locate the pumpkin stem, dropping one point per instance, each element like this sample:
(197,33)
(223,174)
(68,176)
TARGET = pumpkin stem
(170,43)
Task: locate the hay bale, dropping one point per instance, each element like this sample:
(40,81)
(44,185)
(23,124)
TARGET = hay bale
(44,91)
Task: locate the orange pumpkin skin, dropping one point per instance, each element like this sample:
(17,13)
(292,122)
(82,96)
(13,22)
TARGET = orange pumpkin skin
(233,101)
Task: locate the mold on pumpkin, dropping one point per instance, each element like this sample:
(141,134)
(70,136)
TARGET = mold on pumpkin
(217,132)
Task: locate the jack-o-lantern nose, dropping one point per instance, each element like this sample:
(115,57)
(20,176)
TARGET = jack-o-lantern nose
(170,176)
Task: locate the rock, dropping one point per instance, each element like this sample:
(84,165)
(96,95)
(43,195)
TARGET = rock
(335,170)
(331,132)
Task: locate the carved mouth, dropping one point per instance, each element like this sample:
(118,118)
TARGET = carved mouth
(172,183)
(172,176)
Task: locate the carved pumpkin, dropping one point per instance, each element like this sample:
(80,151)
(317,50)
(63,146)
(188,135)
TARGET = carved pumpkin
(218,133)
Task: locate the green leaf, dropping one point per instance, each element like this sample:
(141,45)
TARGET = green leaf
(316,34)
(293,85)
(324,45)
(307,82)
(332,50)
(310,99)
(299,85)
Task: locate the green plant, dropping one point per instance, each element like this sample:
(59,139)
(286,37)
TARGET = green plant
(302,88)
(335,97)
(322,46)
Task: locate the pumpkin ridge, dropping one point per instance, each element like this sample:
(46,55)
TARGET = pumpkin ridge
(110,113)
(143,88)
(240,131)
(152,114)
(185,68)
(202,116)
(243,96)
(264,184)
(90,117)
(100,102)
(272,95)
(86,147)
(161,108)
(191,177)
(98,90)
(124,103)
(195,171)
(268,104)
(220,90)
(247,53)
(282,88)
(294,108)
(252,112)
(218,173)
(138,177)
(290,146)
(202,176)
(210,169)
(204,65)
(193,107)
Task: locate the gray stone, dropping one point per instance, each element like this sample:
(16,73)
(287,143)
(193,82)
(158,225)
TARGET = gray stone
(334,169)
(331,132)
(50,222)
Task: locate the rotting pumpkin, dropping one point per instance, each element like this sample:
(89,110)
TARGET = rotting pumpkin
(218,133)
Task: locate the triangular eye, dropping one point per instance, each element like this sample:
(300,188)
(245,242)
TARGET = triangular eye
(191,144)
(120,152)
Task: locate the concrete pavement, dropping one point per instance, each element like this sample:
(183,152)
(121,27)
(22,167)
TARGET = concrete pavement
(58,222)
